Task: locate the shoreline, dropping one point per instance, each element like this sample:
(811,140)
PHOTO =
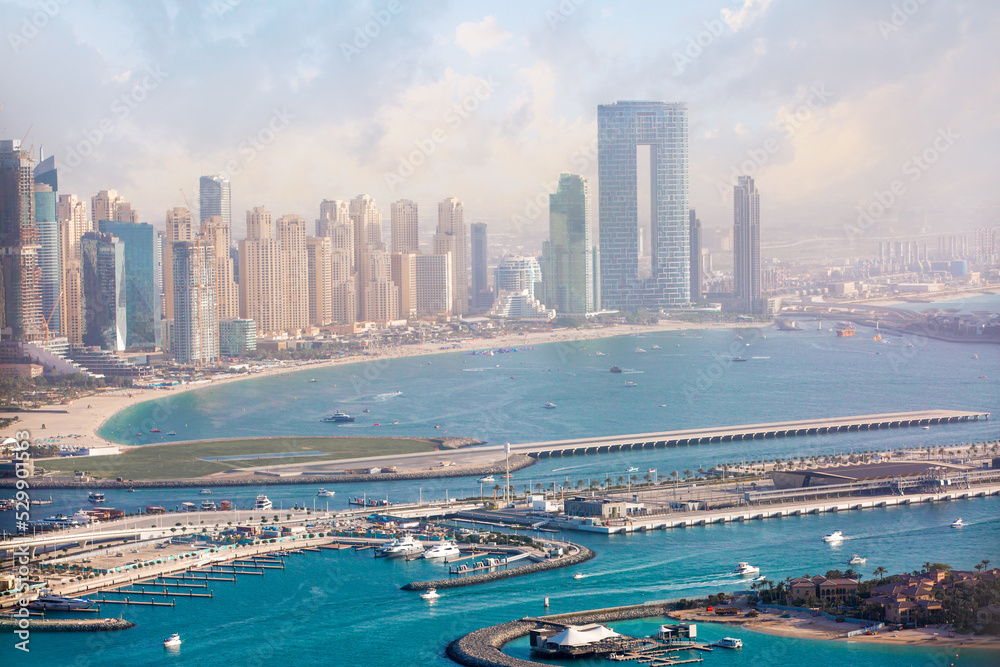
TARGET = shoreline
(79,422)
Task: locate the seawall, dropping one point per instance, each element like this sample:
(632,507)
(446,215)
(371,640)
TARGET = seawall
(583,554)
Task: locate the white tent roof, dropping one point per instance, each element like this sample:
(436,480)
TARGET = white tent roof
(576,635)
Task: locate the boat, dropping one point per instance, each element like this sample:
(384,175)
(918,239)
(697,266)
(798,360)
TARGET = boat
(48,602)
(650,470)
(207,506)
(578,575)
(205,492)
(729,642)
(759,579)
(226,505)
(616,369)
(172,641)
(632,470)
(338,417)
(639,350)
(843,333)
(655,347)
(600,354)
(856,560)
(130,490)
(263,503)
(957,523)
(403,546)
(154,430)
(835,536)
(171,432)
(95,497)
(975,356)
(739,358)
(430,594)
(313,380)
(486,480)
(442,550)
(745,569)
(630,383)
(549,406)
(323,493)
(878,337)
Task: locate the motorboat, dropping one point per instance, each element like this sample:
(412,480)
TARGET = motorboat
(205,492)
(323,493)
(154,430)
(403,546)
(171,432)
(578,575)
(759,579)
(430,594)
(263,503)
(857,560)
(616,369)
(442,550)
(600,354)
(313,380)
(746,569)
(59,603)
(639,350)
(629,383)
(739,358)
(207,506)
(632,469)
(655,347)
(95,497)
(549,406)
(957,523)
(487,480)
(172,641)
(729,642)
(338,417)
(835,536)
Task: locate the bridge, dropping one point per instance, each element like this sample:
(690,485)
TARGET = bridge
(786,429)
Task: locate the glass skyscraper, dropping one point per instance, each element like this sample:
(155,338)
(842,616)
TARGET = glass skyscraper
(567,270)
(103,260)
(142,292)
(215,198)
(482,297)
(746,246)
(657,132)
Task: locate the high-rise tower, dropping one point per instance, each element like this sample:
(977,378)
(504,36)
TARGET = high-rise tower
(694,233)
(746,246)
(21,296)
(215,198)
(638,208)
(450,237)
(403,220)
(482,297)
(567,270)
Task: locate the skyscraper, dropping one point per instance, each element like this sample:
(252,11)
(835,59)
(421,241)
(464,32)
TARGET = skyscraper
(49,254)
(518,273)
(404,223)
(21,297)
(215,198)
(633,138)
(227,299)
(450,237)
(433,282)
(482,297)
(694,232)
(746,246)
(180,228)
(196,323)
(567,270)
(290,231)
(73,224)
(332,212)
(404,275)
(142,298)
(261,277)
(380,298)
(319,265)
(103,263)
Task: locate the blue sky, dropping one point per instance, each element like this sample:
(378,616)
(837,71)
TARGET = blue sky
(297,103)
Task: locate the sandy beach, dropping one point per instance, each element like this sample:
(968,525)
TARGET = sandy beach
(77,423)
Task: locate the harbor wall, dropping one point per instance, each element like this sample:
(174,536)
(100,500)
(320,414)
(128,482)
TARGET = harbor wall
(583,554)
(70,625)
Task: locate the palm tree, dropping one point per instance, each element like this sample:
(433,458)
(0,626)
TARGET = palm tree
(621,480)
(496,487)
(985,563)
(687,474)
(880,572)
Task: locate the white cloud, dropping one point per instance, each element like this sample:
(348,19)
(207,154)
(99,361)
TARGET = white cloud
(475,38)
(745,15)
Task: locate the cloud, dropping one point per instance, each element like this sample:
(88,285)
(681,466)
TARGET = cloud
(475,38)
(745,15)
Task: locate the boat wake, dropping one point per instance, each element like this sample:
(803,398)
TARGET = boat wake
(386,396)
(568,468)
(760,357)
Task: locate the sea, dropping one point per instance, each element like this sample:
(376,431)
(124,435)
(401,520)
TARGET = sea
(345,608)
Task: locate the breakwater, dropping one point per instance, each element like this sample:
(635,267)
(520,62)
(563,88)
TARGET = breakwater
(582,555)
(484,647)
(70,625)
(517,462)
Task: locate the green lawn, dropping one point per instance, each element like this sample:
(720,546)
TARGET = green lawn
(182,460)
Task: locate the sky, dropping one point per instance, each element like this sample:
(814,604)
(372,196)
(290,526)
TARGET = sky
(843,109)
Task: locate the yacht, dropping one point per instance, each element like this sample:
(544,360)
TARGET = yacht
(957,523)
(633,469)
(835,536)
(549,406)
(338,417)
(655,347)
(430,594)
(857,560)
(578,575)
(616,369)
(729,642)
(205,492)
(95,497)
(207,506)
(600,354)
(172,641)
(486,480)
(739,358)
(403,546)
(639,350)
(746,569)
(171,432)
(629,383)
(263,503)
(442,550)
(323,493)
(59,603)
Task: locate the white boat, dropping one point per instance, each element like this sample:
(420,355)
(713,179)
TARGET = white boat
(313,380)
(207,506)
(549,406)
(760,579)
(59,603)
(486,480)
(430,594)
(323,493)
(629,383)
(442,550)
(639,350)
(835,536)
(95,497)
(403,546)
(729,642)
(578,576)
(172,641)
(746,569)
(263,503)
(957,523)
(205,492)
(857,560)
(632,469)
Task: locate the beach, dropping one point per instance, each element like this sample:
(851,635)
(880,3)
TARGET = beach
(78,422)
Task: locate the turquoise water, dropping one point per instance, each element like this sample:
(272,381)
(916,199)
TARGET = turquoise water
(344,608)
